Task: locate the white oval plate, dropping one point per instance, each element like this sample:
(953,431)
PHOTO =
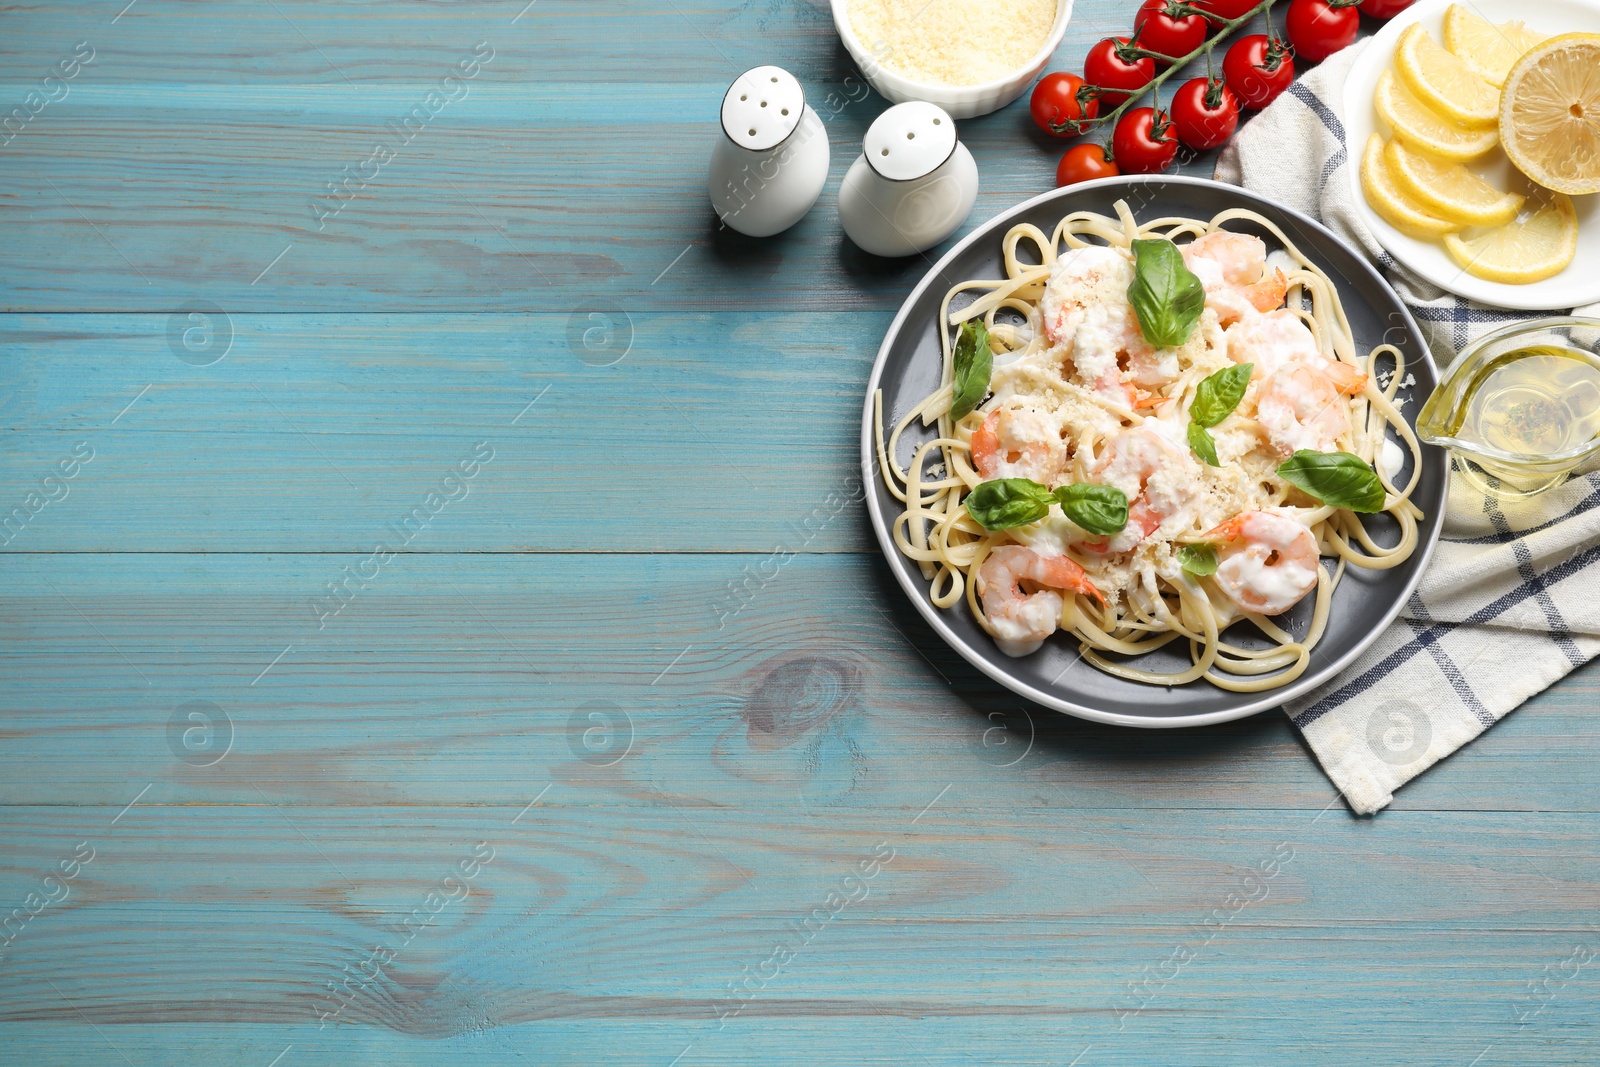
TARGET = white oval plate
(1580,282)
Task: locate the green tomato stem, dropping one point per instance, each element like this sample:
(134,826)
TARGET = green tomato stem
(1226,27)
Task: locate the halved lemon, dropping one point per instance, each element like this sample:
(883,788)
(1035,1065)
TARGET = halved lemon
(1550,113)
(1489,49)
(1395,207)
(1443,82)
(1418,126)
(1528,250)
(1449,190)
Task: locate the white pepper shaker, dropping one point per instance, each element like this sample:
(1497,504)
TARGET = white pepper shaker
(913,184)
(769,166)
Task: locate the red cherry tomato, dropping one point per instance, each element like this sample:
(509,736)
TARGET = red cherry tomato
(1258,69)
(1143,141)
(1162,26)
(1227,9)
(1056,108)
(1384,9)
(1084,163)
(1319,28)
(1117,74)
(1204,113)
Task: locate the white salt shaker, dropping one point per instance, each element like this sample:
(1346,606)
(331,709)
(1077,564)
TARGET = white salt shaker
(913,184)
(772,160)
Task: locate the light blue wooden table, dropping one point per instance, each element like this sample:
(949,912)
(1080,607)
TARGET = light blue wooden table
(582,767)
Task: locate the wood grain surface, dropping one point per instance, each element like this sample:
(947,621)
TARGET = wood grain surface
(628,749)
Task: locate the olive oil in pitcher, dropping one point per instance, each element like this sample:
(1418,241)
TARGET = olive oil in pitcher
(1520,409)
(1535,402)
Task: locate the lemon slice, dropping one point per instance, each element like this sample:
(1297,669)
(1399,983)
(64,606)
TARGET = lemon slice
(1386,198)
(1449,190)
(1422,129)
(1443,82)
(1550,113)
(1489,49)
(1528,250)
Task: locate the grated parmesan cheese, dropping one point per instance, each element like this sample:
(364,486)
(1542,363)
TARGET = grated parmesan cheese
(953,42)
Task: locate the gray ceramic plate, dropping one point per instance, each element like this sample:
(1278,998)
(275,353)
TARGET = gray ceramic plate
(907,369)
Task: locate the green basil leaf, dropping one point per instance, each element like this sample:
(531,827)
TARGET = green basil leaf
(1204,447)
(1218,394)
(1006,502)
(1165,294)
(1198,560)
(974,363)
(1100,509)
(1338,479)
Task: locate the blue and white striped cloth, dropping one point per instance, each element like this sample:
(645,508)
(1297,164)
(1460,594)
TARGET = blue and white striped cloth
(1511,600)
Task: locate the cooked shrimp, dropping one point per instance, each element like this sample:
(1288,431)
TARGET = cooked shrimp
(1079,279)
(1266,563)
(1271,341)
(1233,269)
(1303,406)
(1155,367)
(1021,593)
(1106,340)
(1157,478)
(1018,443)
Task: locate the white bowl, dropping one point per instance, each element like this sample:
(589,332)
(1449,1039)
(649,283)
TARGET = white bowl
(961,101)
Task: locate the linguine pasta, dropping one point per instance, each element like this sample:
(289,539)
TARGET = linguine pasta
(1141,596)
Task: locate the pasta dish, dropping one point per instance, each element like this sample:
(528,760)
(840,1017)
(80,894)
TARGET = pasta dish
(1145,434)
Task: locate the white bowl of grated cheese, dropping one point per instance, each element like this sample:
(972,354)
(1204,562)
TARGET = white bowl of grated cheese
(970,57)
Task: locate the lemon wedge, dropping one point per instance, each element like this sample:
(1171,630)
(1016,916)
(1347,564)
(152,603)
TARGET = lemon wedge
(1386,198)
(1550,113)
(1488,49)
(1528,250)
(1443,82)
(1422,129)
(1449,190)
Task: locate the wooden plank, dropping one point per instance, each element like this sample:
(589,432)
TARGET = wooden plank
(522,233)
(607,919)
(471,680)
(320,432)
(505,201)
(357,45)
(301,42)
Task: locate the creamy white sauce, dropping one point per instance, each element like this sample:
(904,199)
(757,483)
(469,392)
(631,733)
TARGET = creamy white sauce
(1391,457)
(1283,583)
(1051,535)
(1024,629)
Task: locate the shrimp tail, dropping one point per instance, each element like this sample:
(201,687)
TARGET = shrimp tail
(1066,573)
(1346,378)
(1268,293)
(1232,530)
(1143,400)
(1086,587)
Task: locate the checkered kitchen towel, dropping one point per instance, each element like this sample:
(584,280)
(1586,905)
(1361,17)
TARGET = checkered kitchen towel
(1511,600)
